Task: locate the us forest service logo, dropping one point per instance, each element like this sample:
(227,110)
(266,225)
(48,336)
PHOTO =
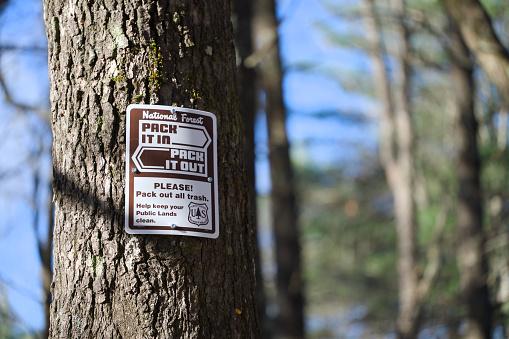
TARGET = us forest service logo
(198,214)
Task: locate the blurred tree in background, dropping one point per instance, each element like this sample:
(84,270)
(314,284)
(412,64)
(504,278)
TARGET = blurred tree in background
(441,137)
(289,322)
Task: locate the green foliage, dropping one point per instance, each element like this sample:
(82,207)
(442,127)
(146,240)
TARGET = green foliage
(10,326)
(495,174)
(348,239)
(345,40)
(496,8)
(364,244)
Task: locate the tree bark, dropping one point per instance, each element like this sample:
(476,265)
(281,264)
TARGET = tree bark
(471,259)
(289,285)
(479,36)
(107,283)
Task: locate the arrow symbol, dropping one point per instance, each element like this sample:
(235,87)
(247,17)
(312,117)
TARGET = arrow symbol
(193,136)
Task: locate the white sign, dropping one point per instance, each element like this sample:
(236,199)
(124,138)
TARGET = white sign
(171,171)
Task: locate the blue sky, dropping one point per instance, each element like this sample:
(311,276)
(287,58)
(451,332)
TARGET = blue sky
(26,76)
(334,140)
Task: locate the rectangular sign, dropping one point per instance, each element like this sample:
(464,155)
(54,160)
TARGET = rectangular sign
(171,171)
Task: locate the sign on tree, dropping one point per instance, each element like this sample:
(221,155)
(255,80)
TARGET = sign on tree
(171,171)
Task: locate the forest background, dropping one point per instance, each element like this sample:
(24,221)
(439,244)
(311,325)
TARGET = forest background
(336,127)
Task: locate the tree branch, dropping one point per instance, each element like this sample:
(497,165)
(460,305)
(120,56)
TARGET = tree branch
(480,37)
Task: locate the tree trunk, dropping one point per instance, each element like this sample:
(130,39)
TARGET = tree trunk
(402,187)
(479,36)
(243,17)
(471,259)
(289,285)
(107,283)
(396,154)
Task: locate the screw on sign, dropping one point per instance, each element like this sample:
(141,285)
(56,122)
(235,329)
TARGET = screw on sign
(171,171)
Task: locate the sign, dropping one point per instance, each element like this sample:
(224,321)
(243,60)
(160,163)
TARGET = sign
(171,171)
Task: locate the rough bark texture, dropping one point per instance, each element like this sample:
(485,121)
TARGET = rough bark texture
(289,286)
(477,32)
(243,18)
(104,55)
(471,259)
(396,153)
